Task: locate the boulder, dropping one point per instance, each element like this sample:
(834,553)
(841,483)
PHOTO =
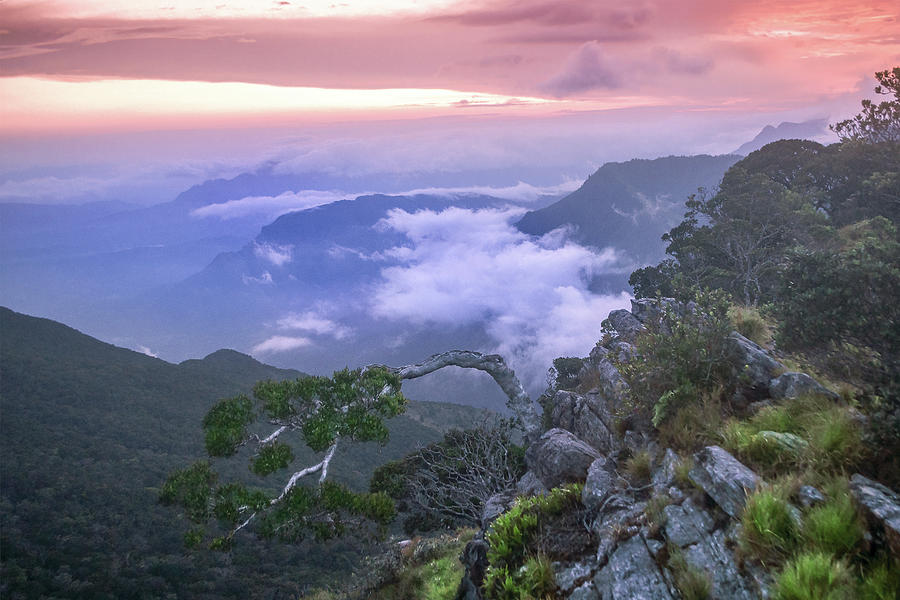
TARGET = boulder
(711,555)
(495,506)
(568,578)
(625,324)
(753,363)
(651,309)
(724,478)
(559,457)
(587,416)
(599,484)
(793,444)
(793,385)
(881,506)
(530,485)
(584,592)
(664,476)
(631,573)
(686,524)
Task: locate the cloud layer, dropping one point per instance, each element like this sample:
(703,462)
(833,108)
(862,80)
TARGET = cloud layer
(472,266)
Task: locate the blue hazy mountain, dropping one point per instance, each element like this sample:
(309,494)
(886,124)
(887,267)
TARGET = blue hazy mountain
(629,205)
(807,130)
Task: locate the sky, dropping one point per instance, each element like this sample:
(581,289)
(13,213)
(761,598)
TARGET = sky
(135,101)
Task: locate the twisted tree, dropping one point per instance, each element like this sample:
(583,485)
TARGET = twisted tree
(350,406)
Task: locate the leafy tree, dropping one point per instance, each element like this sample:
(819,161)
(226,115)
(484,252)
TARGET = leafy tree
(322,411)
(876,122)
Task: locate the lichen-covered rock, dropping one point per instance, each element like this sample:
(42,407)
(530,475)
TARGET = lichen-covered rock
(686,524)
(788,442)
(881,505)
(568,578)
(495,506)
(808,496)
(724,478)
(711,555)
(626,324)
(584,592)
(599,484)
(665,474)
(651,309)
(587,416)
(530,485)
(631,573)
(754,365)
(794,385)
(559,457)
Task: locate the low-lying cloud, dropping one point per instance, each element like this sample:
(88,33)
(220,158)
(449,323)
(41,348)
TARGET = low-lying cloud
(465,266)
(280,343)
(314,323)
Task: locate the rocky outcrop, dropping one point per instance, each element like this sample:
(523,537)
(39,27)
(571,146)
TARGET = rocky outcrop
(558,457)
(587,416)
(626,325)
(755,367)
(794,385)
(631,573)
(724,478)
(881,505)
(599,484)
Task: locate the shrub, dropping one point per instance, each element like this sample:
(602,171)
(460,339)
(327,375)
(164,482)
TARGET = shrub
(750,324)
(834,527)
(881,582)
(769,531)
(681,358)
(814,576)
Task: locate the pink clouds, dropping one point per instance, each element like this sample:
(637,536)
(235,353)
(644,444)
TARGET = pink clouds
(771,55)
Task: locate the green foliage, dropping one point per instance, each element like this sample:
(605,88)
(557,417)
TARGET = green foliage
(567,369)
(272,457)
(515,570)
(750,323)
(225,425)
(834,527)
(769,531)
(876,122)
(881,582)
(191,489)
(814,576)
(693,583)
(681,358)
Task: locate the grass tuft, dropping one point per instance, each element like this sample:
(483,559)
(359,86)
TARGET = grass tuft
(814,576)
(769,532)
(834,527)
(692,582)
(639,466)
(751,324)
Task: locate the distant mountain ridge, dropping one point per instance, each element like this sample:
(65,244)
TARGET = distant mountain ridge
(806,130)
(629,205)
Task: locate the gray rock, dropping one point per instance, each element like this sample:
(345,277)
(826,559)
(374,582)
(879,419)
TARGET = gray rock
(530,485)
(610,382)
(584,592)
(724,478)
(808,496)
(474,558)
(622,350)
(793,385)
(665,474)
(626,325)
(686,524)
(712,556)
(599,484)
(654,546)
(788,442)
(568,578)
(559,457)
(651,309)
(495,506)
(588,417)
(753,363)
(881,505)
(598,353)
(631,573)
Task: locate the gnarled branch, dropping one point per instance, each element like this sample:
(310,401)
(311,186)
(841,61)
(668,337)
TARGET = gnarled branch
(493,364)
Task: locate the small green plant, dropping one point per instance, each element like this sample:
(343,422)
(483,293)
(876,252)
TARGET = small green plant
(814,576)
(769,532)
(683,472)
(512,572)
(693,583)
(656,517)
(881,582)
(835,526)
(639,466)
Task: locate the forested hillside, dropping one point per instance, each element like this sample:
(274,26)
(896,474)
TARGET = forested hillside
(89,432)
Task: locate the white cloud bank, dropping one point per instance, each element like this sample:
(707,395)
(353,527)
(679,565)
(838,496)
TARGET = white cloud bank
(314,323)
(469,266)
(280,343)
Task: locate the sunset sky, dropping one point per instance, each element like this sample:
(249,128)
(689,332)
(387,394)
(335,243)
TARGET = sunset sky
(99,81)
